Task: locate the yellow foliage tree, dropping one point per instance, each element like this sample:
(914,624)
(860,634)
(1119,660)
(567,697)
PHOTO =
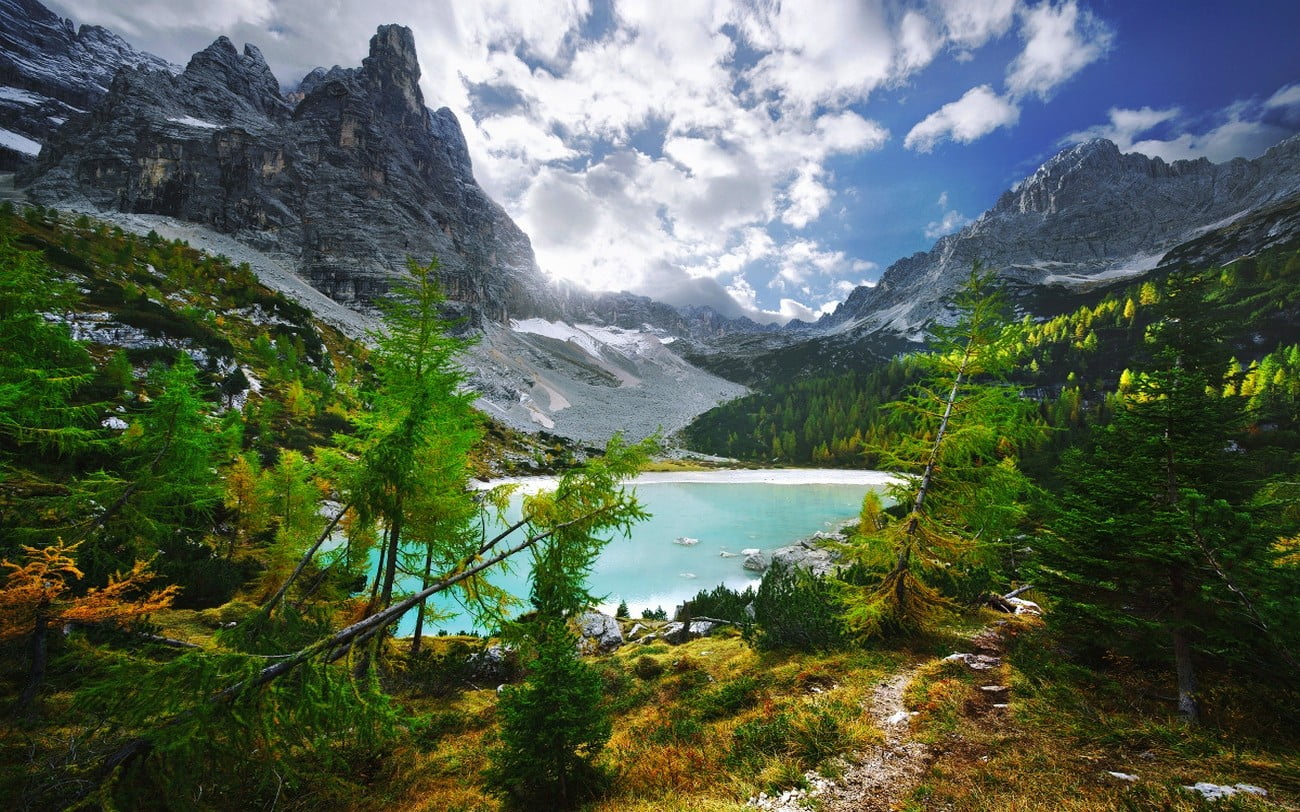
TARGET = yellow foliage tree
(36,597)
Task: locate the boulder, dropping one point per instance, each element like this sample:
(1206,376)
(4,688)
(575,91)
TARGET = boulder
(599,631)
(976,662)
(756,562)
(675,632)
(804,555)
(493,664)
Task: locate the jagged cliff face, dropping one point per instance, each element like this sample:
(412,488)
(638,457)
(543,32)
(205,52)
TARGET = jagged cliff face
(347,182)
(1087,215)
(50,72)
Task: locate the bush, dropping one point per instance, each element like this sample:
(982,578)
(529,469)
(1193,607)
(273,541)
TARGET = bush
(722,603)
(795,609)
(552,729)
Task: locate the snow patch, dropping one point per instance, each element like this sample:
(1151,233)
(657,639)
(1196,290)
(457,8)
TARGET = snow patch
(24,97)
(191,121)
(1133,266)
(19,143)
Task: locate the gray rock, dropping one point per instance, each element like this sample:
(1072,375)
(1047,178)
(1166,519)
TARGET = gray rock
(347,182)
(675,633)
(1215,792)
(1088,213)
(756,562)
(599,631)
(701,628)
(493,664)
(51,71)
(817,560)
(976,662)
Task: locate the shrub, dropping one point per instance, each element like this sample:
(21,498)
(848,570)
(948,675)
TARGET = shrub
(648,667)
(722,603)
(795,609)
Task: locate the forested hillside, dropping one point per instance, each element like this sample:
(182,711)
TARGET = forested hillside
(1069,363)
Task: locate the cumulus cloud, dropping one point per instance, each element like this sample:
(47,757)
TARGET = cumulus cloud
(979,112)
(971,23)
(1060,40)
(1245,128)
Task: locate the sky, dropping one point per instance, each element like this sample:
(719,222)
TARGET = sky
(766,157)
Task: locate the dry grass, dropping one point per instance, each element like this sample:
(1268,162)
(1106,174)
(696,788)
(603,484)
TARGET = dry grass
(1068,727)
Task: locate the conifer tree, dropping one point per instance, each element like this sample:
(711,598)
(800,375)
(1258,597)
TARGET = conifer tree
(1152,532)
(961,486)
(554,726)
(415,431)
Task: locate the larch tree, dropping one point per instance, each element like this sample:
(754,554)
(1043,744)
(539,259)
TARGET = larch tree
(37,596)
(417,413)
(960,483)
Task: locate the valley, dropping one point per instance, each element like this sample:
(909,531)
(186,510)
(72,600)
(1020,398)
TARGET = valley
(323,485)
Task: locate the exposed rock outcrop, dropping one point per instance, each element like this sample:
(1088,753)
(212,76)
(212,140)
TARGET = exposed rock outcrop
(51,71)
(347,182)
(1088,214)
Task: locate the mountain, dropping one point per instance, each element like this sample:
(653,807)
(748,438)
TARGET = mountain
(344,184)
(1087,215)
(325,192)
(51,72)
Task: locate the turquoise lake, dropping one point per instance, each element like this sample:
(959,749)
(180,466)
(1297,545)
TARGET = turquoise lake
(727,511)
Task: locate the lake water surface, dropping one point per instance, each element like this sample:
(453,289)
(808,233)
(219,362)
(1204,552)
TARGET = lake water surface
(727,511)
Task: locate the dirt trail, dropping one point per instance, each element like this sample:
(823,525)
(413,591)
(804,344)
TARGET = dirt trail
(885,774)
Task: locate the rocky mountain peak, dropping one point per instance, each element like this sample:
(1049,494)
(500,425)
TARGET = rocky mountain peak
(393,70)
(1089,213)
(347,183)
(221,66)
(51,71)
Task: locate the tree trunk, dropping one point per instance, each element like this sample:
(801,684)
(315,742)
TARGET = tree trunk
(1183,665)
(379,576)
(40,649)
(390,573)
(1188,707)
(419,611)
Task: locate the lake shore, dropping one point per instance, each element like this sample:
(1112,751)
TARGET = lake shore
(725,476)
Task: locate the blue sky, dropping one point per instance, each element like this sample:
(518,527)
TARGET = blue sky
(766,157)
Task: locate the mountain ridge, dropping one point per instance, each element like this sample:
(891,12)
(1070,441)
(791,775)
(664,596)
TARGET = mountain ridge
(1089,212)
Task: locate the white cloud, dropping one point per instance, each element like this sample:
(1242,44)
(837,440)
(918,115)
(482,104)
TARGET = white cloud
(1242,129)
(971,23)
(979,112)
(951,220)
(1285,97)
(1060,40)
(808,197)
(918,42)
